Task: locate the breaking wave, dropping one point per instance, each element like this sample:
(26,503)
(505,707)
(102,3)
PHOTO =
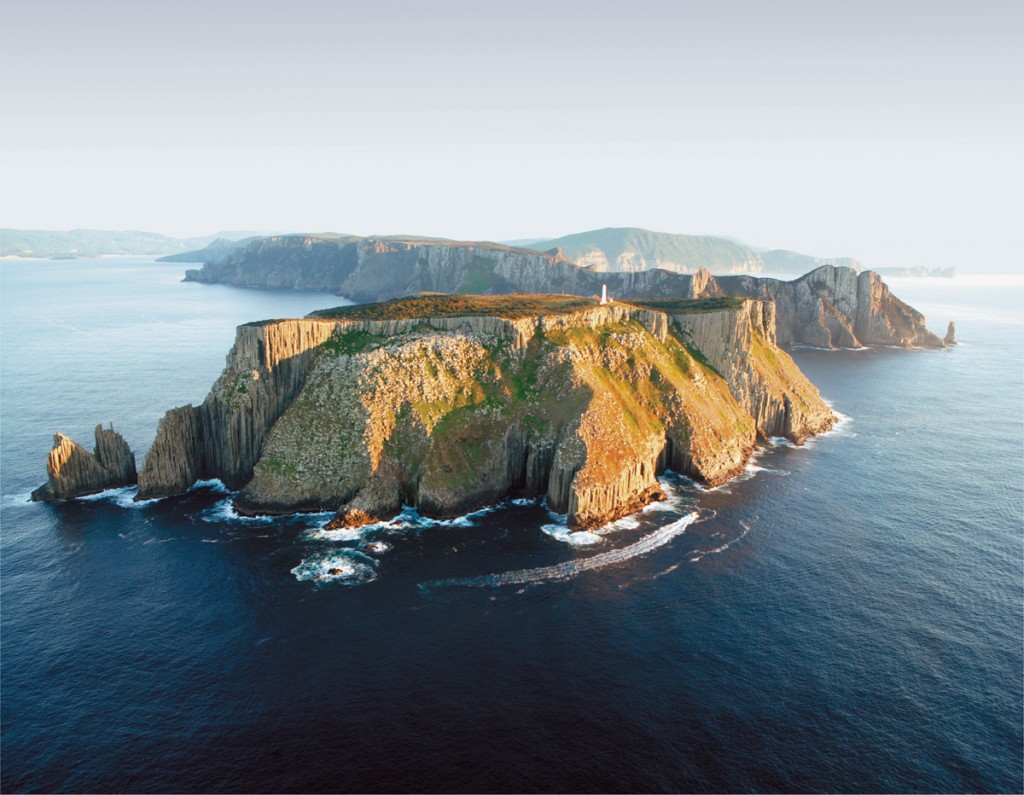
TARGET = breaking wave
(224,511)
(580,538)
(122,497)
(571,568)
(346,567)
(211,485)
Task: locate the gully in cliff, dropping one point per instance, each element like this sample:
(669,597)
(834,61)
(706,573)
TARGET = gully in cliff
(449,403)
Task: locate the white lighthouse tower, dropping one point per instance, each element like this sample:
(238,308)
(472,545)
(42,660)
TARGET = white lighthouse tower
(604,294)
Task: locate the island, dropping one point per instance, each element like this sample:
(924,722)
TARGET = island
(452,402)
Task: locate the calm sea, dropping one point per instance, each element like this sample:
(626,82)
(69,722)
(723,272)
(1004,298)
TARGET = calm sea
(848,617)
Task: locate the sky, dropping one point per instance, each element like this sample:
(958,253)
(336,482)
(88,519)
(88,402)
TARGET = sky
(892,132)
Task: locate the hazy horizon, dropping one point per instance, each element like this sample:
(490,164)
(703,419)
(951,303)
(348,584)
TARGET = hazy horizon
(886,132)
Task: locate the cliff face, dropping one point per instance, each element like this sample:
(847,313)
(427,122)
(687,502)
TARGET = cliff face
(449,413)
(836,308)
(73,471)
(828,307)
(379,269)
(741,345)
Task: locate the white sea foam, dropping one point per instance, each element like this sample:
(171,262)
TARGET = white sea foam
(22,498)
(580,538)
(339,535)
(224,511)
(699,554)
(625,523)
(411,517)
(122,496)
(571,568)
(525,501)
(346,567)
(213,485)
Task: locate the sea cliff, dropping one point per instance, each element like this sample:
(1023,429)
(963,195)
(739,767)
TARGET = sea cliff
(827,307)
(449,403)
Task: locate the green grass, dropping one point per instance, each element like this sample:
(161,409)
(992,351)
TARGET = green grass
(479,276)
(279,467)
(514,306)
(353,342)
(679,306)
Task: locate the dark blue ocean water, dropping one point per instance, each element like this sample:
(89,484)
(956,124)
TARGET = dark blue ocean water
(846,618)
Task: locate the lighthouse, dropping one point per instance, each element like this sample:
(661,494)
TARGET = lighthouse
(604,294)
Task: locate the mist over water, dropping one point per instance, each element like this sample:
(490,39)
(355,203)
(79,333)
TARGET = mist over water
(846,618)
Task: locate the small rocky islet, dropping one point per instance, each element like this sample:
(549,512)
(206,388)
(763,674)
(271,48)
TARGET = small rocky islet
(453,402)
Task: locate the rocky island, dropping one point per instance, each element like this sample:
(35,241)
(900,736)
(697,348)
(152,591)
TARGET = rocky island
(449,403)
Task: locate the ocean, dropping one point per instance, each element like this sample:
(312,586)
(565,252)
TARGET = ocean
(846,617)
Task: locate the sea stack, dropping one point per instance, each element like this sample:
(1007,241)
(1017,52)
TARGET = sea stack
(74,471)
(950,338)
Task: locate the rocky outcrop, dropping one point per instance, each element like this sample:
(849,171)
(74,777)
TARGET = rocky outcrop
(950,338)
(172,464)
(73,471)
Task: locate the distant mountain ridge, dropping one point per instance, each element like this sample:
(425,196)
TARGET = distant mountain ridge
(609,250)
(630,249)
(98,242)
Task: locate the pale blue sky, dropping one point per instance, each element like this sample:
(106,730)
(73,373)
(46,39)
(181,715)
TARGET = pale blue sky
(891,132)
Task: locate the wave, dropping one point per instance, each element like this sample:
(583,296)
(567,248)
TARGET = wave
(224,511)
(342,534)
(579,538)
(346,567)
(21,498)
(571,568)
(408,519)
(700,554)
(122,496)
(215,485)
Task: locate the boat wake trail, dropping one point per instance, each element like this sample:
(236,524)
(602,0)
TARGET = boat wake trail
(571,568)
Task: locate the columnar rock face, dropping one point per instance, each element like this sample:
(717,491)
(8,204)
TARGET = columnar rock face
(741,345)
(836,308)
(828,307)
(449,413)
(368,269)
(74,471)
(950,338)
(172,463)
